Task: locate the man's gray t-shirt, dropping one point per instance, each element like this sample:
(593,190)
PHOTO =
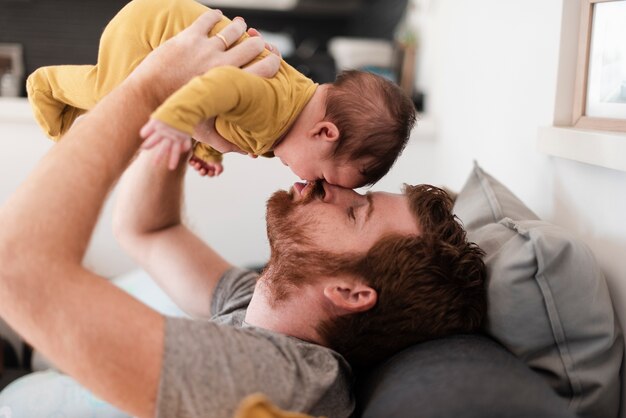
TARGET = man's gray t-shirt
(210,366)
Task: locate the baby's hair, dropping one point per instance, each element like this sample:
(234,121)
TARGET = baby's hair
(374,117)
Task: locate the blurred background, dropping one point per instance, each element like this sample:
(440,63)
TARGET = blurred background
(306,31)
(494,81)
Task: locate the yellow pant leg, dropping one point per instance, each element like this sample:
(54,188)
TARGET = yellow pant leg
(137,29)
(206,153)
(59,94)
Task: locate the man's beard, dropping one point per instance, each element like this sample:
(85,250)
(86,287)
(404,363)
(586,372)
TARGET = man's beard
(283,225)
(295,260)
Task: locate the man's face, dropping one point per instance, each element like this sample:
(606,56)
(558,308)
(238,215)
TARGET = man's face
(337,220)
(317,230)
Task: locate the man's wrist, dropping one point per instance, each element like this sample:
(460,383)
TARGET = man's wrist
(147,89)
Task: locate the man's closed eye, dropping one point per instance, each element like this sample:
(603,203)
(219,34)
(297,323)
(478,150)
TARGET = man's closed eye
(351,213)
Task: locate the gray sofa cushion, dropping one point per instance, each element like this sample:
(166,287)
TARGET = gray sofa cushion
(549,303)
(462,376)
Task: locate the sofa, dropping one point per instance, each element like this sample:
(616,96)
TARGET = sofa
(462,376)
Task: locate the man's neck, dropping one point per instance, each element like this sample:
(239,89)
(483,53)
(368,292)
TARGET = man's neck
(296,316)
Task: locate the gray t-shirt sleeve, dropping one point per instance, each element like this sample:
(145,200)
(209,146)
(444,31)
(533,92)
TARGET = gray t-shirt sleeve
(209,367)
(233,292)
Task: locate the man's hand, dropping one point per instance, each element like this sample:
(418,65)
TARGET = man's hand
(205,131)
(192,53)
(172,142)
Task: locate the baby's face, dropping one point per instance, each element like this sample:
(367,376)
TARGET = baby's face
(345,174)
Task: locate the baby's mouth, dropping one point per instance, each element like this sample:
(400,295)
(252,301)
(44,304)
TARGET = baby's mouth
(309,190)
(299,187)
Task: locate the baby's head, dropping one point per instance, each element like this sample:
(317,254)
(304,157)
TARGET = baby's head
(374,118)
(351,132)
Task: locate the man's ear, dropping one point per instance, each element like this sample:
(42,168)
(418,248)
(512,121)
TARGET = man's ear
(350,296)
(325,130)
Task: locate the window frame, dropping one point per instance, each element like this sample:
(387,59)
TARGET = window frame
(579,118)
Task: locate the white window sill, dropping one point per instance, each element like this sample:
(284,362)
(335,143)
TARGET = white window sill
(601,148)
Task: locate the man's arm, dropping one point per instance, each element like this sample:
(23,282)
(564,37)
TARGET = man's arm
(147,222)
(109,342)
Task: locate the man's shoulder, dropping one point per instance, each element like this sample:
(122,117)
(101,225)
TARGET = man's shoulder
(294,374)
(233,292)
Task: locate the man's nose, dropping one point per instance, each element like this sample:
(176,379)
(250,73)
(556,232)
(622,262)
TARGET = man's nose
(334,194)
(328,192)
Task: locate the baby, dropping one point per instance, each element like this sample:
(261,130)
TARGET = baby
(348,133)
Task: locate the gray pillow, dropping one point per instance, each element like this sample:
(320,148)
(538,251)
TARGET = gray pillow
(548,300)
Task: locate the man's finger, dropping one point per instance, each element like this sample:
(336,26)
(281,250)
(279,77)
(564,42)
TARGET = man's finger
(244,52)
(233,31)
(256,34)
(273,50)
(205,22)
(267,67)
(253,32)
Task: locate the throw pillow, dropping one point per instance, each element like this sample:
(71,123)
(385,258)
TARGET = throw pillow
(549,303)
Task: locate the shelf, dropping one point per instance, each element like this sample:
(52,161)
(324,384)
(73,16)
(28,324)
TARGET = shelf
(601,148)
(15,109)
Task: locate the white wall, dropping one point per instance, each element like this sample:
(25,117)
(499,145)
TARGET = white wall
(490,70)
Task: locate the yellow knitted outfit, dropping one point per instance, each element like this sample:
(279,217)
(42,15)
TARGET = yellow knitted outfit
(252,112)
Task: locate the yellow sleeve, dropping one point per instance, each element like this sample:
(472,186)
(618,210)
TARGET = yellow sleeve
(206,153)
(230,92)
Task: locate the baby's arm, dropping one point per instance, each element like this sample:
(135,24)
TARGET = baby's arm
(234,94)
(207,155)
(230,92)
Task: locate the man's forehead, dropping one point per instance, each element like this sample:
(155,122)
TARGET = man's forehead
(393,211)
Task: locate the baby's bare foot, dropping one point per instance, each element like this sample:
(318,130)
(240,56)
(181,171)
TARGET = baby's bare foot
(206,169)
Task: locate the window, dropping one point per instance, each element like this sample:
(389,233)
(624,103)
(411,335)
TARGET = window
(600,95)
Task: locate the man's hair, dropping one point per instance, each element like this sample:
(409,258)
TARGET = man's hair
(374,117)
(428,286)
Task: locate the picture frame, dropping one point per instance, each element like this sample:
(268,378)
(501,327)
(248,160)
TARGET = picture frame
(11,69)
(600,89)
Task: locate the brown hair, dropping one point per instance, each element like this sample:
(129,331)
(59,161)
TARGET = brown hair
(428,286)
(374,117)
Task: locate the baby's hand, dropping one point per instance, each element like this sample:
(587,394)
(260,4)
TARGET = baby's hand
(173,142)
(206,169)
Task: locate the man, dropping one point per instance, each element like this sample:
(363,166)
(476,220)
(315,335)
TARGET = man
(364,275)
